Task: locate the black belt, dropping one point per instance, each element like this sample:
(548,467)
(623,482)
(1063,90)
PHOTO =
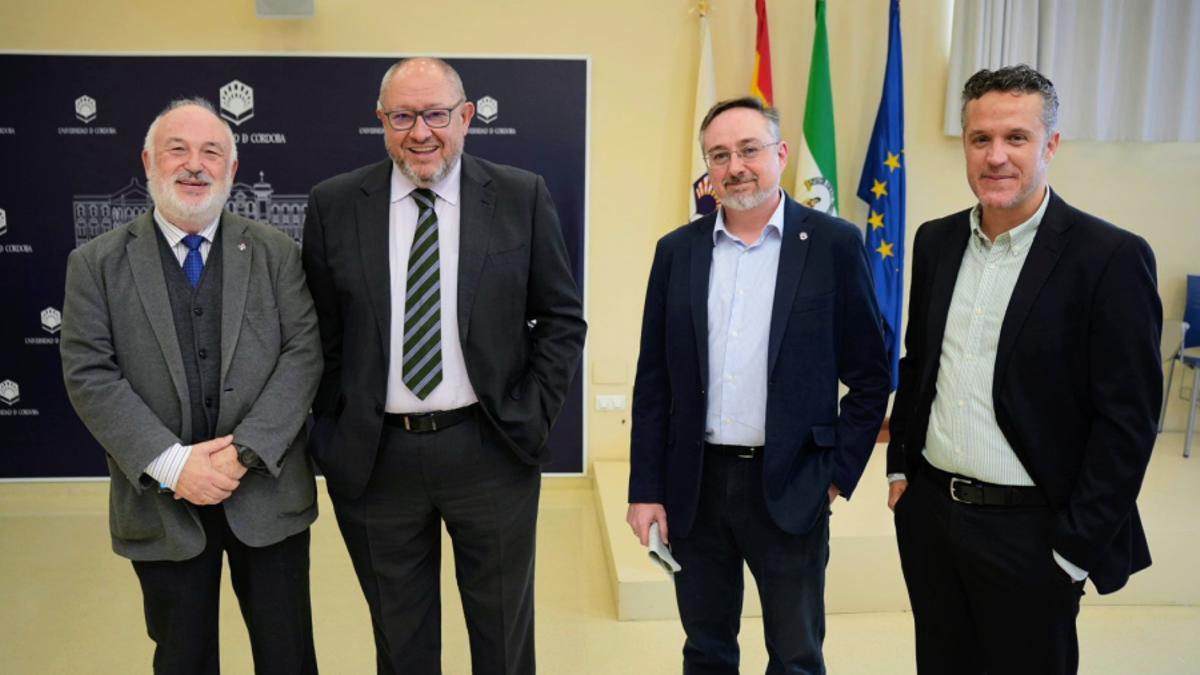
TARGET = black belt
(735,451)
(970,491)
(420,423)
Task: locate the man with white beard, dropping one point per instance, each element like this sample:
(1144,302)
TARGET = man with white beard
(739,443)
(190,350)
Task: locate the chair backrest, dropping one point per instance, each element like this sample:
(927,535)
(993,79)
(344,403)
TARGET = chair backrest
(1173,333)
(1191,311)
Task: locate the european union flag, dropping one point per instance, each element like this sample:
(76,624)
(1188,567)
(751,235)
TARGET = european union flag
(882,188)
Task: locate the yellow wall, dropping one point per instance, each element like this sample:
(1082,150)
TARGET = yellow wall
(643,79)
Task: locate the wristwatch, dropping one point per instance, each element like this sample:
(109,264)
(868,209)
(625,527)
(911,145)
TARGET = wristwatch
(247,457)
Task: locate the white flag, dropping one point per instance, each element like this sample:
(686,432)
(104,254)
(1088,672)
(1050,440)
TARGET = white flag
(701,198)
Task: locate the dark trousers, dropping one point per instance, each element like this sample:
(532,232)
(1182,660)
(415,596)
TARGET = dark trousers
(182,599)
(986,594)
(488,499)
(732,525)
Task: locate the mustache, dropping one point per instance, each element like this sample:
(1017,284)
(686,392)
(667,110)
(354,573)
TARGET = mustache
(735,180)
(201,176)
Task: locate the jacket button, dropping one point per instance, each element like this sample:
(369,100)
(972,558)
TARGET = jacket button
(203,353)
(378,409)
(197,311)
(207,401)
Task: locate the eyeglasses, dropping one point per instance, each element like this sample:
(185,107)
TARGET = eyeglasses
(747,153)
(435,118)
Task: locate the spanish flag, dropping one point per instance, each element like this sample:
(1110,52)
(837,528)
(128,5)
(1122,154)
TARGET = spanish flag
(761,86)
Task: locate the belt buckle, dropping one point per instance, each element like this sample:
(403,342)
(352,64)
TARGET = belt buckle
(954,481)
(407,423)
(748,453)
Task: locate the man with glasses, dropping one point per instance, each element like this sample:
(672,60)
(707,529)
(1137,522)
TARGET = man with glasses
(739,445)
(452,328)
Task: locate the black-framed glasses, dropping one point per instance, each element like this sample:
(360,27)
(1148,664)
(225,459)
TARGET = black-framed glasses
(435,118)
(747,153)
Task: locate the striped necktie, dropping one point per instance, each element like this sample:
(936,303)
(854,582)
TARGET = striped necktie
(422,370)
(193,264)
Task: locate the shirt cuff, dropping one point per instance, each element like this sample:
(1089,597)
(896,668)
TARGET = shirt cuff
(1077,573)
(893,477)
(166,467)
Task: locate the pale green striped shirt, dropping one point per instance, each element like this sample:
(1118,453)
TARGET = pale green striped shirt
(963,436)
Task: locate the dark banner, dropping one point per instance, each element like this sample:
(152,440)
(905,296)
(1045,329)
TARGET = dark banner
(71,134)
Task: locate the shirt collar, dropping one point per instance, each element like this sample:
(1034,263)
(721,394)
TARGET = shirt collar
(175,235)
(1020,236)
(447,189)
(775,222)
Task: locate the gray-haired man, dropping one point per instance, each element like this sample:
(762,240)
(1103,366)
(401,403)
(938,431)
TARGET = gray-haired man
(190,350)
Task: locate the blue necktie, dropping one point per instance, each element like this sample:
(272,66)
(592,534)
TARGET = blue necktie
(193,264)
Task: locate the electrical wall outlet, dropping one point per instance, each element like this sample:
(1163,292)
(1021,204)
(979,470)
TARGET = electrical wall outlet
(610,402)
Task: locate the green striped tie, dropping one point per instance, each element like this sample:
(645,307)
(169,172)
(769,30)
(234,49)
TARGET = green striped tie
(423,303)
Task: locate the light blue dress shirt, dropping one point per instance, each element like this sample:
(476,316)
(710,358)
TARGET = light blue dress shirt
(741,291)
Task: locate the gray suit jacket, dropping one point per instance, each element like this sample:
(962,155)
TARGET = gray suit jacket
(520,318)
(125,376)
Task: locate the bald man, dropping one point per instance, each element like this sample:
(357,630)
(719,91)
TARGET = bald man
(452,328)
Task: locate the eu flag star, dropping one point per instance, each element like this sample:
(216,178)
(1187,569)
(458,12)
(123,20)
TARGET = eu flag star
(879,188)
(876,220)
(884,250)
(892,161)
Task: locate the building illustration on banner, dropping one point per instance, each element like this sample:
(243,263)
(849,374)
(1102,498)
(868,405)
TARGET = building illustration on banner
(3,222)
(96,214)
(488,109)
(237,101)
(85,109)
(10,392)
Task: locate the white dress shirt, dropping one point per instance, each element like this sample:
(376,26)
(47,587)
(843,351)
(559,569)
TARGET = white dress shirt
(455,390)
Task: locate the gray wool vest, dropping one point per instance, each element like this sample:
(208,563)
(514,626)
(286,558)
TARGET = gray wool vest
(197,315)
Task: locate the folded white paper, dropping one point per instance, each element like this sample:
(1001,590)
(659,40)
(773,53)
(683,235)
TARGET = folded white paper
(660,553)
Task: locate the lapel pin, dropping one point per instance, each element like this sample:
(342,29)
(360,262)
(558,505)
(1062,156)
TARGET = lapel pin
(803,236)
(242,246)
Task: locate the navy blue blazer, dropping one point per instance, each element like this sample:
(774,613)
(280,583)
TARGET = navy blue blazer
(1078,380)
(825,327)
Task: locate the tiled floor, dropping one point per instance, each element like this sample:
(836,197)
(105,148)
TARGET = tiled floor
(71,606)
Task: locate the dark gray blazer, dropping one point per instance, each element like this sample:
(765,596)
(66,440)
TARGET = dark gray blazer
(125,376)
(520,318)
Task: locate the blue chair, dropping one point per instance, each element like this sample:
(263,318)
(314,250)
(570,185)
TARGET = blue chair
(1187,353)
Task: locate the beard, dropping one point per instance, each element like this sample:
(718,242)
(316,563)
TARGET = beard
(747,202)
(443,169)
(175,209)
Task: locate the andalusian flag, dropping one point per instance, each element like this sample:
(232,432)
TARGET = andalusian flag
(761,85)
(882,187)
(816,165)
(702,199)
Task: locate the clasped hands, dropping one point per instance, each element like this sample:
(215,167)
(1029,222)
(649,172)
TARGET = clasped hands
(212,472)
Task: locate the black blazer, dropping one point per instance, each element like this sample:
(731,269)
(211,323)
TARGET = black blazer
(1078,379)
(825,327)
(519,314)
